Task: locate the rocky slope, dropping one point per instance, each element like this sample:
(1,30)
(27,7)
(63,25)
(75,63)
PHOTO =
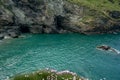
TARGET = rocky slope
(58,16)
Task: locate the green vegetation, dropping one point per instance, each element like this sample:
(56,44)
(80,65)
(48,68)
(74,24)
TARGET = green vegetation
(101,5)
(97,8)
(47,75)
(1,3)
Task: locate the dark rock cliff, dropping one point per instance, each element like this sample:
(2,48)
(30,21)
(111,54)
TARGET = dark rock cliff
(53,16)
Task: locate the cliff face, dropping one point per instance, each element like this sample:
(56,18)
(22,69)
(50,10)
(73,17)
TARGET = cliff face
(55,16)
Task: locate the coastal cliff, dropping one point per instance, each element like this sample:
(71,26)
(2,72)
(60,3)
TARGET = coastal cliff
(58,16)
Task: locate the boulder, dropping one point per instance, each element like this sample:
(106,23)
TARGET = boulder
(13,33)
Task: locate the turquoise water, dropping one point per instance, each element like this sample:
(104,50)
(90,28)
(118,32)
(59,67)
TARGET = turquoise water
(73,52)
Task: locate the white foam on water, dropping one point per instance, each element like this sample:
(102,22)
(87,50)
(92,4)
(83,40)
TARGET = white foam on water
(118,52)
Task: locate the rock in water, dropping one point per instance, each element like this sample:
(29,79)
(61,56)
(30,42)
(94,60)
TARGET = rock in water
(108,48)
(104,47)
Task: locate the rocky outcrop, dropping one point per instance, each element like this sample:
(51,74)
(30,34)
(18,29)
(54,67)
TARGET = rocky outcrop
(108,48)
(48,75)
(54,16)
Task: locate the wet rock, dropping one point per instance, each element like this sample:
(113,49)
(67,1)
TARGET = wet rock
(104,47)
(7,37)
(108,48)
(10,32)
(13,34)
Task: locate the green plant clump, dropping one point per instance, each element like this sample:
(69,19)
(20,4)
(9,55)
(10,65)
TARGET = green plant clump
(101,5)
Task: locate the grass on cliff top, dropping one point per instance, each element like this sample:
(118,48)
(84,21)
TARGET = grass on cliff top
(101,5)
(46,75)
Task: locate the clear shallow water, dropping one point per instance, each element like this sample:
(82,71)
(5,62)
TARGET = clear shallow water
(72,52)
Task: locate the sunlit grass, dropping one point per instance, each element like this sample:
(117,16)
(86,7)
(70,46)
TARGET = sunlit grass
(103,7)
(99,4)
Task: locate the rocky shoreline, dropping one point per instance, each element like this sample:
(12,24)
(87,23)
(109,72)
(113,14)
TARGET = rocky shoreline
(54,16)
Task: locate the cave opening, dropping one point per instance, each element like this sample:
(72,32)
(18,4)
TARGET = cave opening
(24,29)
(58,21)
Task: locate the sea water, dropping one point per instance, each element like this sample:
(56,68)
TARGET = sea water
(73,52)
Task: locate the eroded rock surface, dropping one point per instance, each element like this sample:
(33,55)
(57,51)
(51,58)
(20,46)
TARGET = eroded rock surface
(54,16)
